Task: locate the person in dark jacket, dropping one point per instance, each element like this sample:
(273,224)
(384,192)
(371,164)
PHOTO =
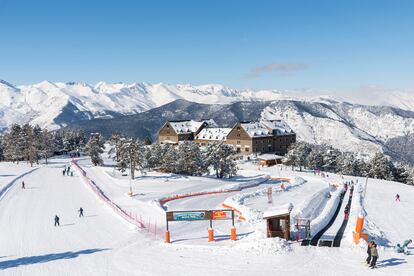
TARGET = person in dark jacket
(57,221)
(346,212)
(369,253)
(80,212)
(374,254)
(23,185)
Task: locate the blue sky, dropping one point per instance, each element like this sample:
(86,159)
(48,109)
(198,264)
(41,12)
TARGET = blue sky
(322,45)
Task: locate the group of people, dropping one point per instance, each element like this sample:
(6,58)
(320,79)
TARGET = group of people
(372,254)
(348,207)
(67,171)
(57,218)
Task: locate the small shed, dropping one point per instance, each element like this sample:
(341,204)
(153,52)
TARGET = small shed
(277,223)
(269,159)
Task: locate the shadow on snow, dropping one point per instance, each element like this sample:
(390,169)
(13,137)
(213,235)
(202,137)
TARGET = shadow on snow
(47,258)
(391,262)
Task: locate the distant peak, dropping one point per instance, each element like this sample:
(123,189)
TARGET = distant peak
(7,84)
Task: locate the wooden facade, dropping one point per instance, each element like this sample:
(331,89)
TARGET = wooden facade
(246,144)
(168,135)
(278,226)
(245,141)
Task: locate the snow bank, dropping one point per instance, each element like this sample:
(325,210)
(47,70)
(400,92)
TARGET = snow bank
(225,189)
(325,216)
(356,209)
(312,207)
(253,215)
(258,244)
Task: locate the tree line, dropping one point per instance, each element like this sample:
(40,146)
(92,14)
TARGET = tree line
(327,158)
(187,158)
(32,143)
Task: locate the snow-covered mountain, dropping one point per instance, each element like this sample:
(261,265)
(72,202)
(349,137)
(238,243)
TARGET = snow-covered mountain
(57,104)
(349,127)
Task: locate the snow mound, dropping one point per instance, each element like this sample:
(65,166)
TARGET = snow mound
(258,244)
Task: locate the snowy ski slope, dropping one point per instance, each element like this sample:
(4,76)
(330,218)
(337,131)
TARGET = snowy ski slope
(102,243)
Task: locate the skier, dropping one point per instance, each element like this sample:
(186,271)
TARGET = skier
(23,185)
(57,220)
(68,170)
(405,246)
(397,198)
(368,260)
(71,173)
(374,254)
(80,212)
(64,172)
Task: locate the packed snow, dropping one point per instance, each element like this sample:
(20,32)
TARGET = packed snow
(104,243)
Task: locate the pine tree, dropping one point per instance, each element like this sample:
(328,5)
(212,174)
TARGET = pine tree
(94,148)
(298,155)
(190,160)
(115,143)
(315,159)
(131,154)
(221,158)
(380,167)
(46,145)
(155,155)
(13,144)
(330,159)
(169,161)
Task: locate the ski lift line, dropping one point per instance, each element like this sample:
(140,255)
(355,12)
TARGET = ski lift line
(315,240)
(340,233)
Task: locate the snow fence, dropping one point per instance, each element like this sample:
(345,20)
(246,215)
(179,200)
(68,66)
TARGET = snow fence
(232,188)
(134,219)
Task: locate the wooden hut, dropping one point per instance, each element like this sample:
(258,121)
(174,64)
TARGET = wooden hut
(277,223)
(269,159)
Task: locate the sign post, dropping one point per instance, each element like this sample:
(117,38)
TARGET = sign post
(269,195)
(198,215)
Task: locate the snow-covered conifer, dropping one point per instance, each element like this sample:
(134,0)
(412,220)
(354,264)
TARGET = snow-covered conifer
(94,148)
(221,158)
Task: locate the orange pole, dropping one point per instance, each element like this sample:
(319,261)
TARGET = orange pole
(233,235)
(359,224)
(210,234)
(167,236)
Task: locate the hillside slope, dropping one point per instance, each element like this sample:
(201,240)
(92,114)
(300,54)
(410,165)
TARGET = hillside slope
(357,128)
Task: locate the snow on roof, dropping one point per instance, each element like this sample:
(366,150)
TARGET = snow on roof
(278,211)
(255,129)
(211,123)
(269,156)
(182,127)
(213,133)
(280,126)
